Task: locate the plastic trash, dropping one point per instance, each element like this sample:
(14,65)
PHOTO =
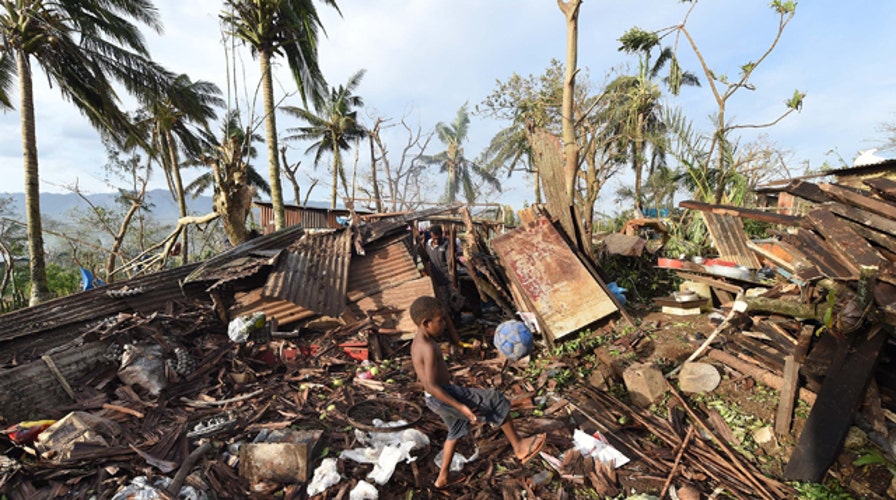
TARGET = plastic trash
(141,489)
(457,461)
(144,366)
(617,292)
(599,448)
(385,449)
(364,491)
(242,327)
(325,476)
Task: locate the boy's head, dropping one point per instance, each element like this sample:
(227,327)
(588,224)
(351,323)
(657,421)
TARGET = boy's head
(436,232)
(428,314)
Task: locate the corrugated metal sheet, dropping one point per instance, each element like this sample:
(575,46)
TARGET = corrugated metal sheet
(384,267)
(390,308)
(216,268)
(283,310)
(730,239)
(74,310)
(313,273)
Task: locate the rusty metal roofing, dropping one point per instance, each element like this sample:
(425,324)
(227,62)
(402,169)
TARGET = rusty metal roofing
(386,266)
(376,230)
(730,239)
(313,272)
(142,294)
(263,247)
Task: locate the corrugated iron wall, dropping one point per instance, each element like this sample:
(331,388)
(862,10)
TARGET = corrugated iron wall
(313,273)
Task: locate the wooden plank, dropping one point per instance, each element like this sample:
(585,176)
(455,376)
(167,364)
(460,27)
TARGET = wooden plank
(714,283)
(885,242)
(864,218)
(746,213)
(771,357)
(883,186)
(819,253)
(807,191)
(772,257)
(831,417)
(845,195)
(801,350)
(784,416)
(730,238)
(844,239)
(561,289)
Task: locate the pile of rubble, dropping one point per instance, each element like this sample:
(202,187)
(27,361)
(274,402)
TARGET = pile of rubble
(281,367)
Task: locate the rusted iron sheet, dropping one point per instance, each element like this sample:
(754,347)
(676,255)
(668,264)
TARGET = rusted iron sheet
(390,308)
(730,239)
(313,272)
(562,291)
(144,293)
(384,266)
(284,311)
(807,191)
(215,269)
(842,237)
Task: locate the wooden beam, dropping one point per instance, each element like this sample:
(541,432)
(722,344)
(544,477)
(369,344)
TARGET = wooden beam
(714,283)
(784,416)
(746,213)
(848,196)
(844,239)
(864,218)
(883,186)
(831,417)
(807,191)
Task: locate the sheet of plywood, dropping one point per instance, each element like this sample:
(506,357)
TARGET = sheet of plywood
(563,293)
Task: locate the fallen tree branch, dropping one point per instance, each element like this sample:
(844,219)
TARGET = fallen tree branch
(723,326)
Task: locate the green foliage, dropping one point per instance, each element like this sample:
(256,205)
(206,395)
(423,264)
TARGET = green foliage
(638,275)
(820,491)
(638,40)
(756,229)
(63,281)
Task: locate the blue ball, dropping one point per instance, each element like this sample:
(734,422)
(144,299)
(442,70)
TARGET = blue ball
(513,339)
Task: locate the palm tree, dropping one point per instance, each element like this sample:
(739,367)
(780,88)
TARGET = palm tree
(334,128)
(231,175)
(637,119)
(82,47)
(279,27)
(172,122)
(452,160)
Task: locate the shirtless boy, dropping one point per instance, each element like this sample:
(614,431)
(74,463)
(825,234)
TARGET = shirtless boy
(458,406)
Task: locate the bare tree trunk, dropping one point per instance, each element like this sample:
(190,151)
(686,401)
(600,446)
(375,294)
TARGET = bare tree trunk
(376,186)
(136,203)
(570,9)
(37,264)
(181,200)
(291,176)
(270,123)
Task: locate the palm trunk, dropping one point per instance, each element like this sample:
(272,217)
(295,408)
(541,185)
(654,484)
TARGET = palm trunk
(40,291)
(639,166)
(336,166)
(570,9)
(270,123)
(181,200)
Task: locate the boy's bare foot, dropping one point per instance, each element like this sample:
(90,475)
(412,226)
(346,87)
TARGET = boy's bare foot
(451,480)
(529,447)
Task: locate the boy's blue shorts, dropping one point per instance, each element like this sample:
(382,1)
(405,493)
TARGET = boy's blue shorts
(487,404)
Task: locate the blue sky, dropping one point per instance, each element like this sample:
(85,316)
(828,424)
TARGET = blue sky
(424,59)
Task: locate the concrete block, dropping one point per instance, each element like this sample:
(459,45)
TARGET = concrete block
(645,383)
(284,457)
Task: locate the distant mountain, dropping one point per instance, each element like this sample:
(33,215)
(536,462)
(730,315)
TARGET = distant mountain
(59,206)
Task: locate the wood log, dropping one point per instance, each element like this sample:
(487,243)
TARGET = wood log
(759,374)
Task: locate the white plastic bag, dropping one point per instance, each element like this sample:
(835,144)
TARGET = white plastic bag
(325,476)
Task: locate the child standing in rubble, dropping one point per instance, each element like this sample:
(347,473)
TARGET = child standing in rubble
(458,406)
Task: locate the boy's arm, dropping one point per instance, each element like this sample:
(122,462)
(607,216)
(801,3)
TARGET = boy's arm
(432,386)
